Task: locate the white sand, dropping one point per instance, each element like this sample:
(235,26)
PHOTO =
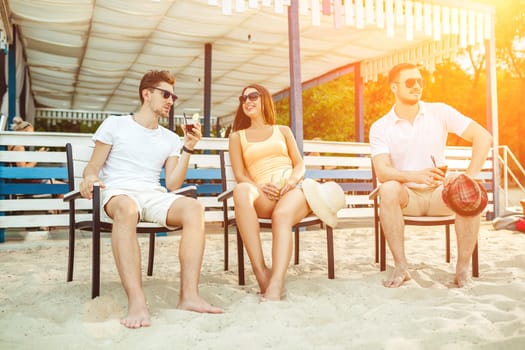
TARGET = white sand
(39,310)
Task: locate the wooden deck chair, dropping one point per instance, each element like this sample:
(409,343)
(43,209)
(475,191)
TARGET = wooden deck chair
(380,241)
(77,158)
(228,182)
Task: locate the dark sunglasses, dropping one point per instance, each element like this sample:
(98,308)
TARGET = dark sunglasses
(252,96)
(166,94)
(410,83)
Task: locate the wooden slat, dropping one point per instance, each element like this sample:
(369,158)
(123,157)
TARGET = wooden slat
(38,220)
(33,173)
(30,204)
(32,156)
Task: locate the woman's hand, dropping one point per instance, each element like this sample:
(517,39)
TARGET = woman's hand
(271,191)
(288,185)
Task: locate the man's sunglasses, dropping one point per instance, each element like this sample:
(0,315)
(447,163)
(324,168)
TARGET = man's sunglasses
(410,83)
(252,96)
(166,94)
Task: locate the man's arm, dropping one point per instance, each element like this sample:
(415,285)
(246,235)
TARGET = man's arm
(92,169)
(386,172)
(481,142)
(175,168)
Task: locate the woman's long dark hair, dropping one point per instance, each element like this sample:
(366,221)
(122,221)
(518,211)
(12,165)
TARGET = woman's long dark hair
(242,121)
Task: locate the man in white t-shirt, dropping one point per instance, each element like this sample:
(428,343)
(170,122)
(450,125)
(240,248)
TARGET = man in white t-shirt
(404,143)
(130,153)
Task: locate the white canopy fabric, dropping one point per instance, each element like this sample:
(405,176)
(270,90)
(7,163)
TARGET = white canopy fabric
(91,54)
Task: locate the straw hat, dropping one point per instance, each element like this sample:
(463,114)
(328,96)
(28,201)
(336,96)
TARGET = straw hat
(464,195)
(324,199)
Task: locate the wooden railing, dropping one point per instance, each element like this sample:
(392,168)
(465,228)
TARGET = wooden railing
(26,201)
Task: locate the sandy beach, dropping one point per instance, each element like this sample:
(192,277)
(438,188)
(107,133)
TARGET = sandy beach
(39,310)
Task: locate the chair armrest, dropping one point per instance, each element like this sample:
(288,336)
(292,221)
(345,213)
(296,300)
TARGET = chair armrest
(72,195)
(188,191)
(374,193)
(225,195)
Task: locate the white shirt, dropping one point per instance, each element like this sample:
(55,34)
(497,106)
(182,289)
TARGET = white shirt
(411,146)
(137,154)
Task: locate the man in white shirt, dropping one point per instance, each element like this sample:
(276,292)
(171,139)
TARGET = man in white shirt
(404,143)
(130,153)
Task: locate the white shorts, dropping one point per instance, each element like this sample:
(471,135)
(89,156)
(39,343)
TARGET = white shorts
(153,205)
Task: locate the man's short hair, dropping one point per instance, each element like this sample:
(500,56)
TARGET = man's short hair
(393,75)
(154,78)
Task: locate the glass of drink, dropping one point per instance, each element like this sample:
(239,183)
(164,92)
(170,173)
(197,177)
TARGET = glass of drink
(189,122)
(443,168)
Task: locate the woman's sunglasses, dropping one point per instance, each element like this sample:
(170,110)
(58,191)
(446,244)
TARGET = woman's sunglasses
(410,83)
(252,96)
(166,94)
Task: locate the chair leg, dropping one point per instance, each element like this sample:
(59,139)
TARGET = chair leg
(226,246)
(95,287)
(376,238)
(475,262)
(296,245)
(240,259)
(71,254)
(330,247)
(447,238)
(151,255)
(382,247)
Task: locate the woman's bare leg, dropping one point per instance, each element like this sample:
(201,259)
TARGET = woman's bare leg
(290,209)
(245,196)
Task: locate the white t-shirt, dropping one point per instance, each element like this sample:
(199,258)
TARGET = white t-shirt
(411,146)
(137,154)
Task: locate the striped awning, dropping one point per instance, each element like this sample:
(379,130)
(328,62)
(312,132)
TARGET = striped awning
(90,55)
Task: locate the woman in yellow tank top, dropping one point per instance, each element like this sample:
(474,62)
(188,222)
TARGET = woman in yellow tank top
(267,166)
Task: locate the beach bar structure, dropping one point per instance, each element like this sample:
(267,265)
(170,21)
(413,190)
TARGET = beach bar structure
(89,55)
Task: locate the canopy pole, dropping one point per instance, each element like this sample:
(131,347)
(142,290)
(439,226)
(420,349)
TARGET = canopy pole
(207,89)
(11,80)
(492,113)
(296,97)
(359,101)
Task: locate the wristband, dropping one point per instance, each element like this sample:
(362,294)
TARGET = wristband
(187,150)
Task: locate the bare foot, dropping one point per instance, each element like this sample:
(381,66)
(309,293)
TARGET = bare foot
(263,279)
(264,299)
(198,305)
(138,315)
(462,278)
(399,275)
(274,292)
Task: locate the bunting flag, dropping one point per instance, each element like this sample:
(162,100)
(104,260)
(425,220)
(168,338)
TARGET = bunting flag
(450,26)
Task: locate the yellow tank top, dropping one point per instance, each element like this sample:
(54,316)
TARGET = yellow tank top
(268,160)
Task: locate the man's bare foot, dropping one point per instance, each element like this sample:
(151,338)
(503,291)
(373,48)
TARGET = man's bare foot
(399,275)
(138,316)
(462,278)
(198,305)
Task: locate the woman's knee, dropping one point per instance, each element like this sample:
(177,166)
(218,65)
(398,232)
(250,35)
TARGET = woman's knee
(243,192)
(284,217)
